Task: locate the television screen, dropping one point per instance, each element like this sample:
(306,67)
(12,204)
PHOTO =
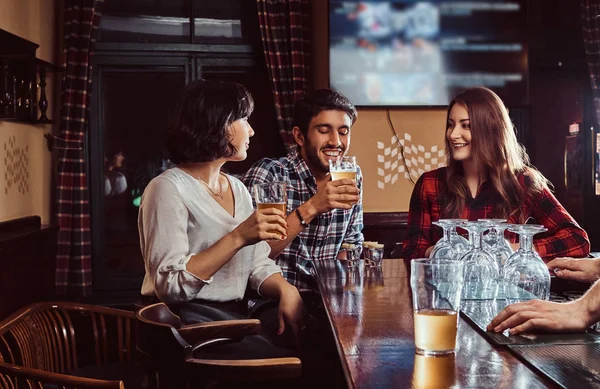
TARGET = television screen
(421,53)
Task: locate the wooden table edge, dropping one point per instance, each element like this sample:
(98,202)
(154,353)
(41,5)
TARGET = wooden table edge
(338,345)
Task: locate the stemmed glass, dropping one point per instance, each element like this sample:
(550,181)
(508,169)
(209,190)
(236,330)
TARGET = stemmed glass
(443,248)
(452,245)
(481,269)
(490,238)
(494,242)
(525,269)
(460,244)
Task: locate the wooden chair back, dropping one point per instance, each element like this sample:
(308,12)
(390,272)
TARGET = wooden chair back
(160,314)
(158,337)
(45,340)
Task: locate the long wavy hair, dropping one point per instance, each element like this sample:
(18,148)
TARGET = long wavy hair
(495,149)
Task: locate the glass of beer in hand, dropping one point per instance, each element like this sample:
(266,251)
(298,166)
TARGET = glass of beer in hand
(271,195)
(436,287)
(343,167)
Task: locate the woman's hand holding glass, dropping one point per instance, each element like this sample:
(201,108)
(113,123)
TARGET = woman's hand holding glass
(263,224)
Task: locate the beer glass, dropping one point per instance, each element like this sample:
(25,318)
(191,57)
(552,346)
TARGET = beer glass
(271,195)
(436,289)
(343,167)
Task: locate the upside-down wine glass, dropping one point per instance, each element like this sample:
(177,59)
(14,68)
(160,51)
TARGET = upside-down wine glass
(481,270)
(443,248)
(525,269)
(495,243)
(458,243)
(490,238)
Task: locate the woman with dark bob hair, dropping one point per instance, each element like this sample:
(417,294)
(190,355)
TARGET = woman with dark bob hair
(202,242)
(488,175)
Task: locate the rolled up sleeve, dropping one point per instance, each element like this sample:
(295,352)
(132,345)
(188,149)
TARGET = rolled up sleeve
(162,223)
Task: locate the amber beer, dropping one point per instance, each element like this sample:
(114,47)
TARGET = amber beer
(340,174)
(435,330)
(344,167)
(279,206)
(436,289)
(271,195)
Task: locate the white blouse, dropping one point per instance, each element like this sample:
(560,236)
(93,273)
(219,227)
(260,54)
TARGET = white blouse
(178,218)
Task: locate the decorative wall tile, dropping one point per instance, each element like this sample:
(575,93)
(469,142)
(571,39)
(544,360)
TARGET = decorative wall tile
(415,160)
(16,167)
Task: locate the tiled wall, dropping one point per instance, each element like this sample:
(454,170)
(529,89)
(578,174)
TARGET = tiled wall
(16,167)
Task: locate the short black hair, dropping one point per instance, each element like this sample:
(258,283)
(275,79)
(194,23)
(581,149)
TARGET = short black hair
(312,103)
(201,117)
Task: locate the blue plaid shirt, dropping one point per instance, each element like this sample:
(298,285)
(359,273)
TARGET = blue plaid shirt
(324,235)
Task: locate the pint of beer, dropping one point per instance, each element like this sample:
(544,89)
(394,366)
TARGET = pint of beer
(436,288)
(343,167)
(271,195)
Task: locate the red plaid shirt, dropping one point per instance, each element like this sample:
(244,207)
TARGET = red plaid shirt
(564,237)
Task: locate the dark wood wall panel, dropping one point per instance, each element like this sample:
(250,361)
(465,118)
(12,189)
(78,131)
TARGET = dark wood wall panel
(388,228)
(28,261)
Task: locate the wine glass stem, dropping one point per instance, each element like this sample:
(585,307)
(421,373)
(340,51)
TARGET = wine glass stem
(447,233)
(500,240)
(475,239)
(526,242)
(500,232)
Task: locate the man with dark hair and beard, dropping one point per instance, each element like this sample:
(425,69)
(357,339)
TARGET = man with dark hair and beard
(321,214)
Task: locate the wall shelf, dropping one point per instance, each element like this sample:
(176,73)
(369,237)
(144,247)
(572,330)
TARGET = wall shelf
(22,74)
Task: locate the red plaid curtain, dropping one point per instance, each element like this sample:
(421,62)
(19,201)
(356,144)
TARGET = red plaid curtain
(590,9)
(285,33)
(74,267)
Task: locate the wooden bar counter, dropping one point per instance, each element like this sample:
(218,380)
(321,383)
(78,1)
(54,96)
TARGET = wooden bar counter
(370,311)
